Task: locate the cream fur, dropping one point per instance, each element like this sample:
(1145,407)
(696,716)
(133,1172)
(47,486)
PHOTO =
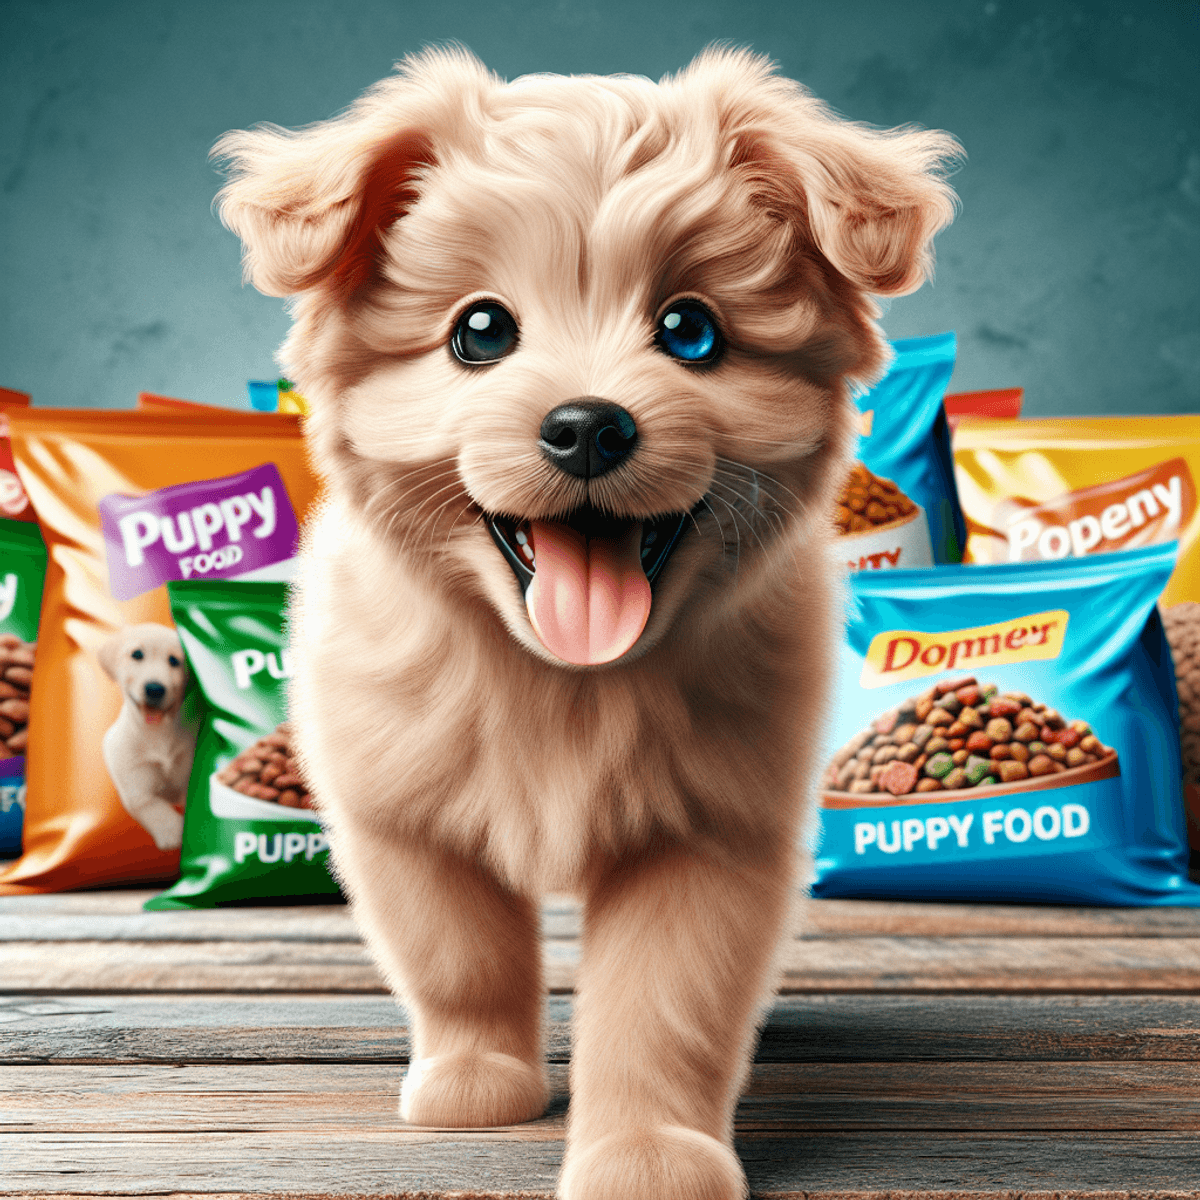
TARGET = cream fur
(463,769)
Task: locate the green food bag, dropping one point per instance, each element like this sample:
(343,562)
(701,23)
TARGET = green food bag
(22,573)
(248,832)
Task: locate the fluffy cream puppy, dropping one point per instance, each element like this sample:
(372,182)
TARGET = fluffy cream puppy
(579,353)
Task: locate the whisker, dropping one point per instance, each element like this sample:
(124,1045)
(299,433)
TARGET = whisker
(384,500)
(767,518)
(802,506)
(737,545)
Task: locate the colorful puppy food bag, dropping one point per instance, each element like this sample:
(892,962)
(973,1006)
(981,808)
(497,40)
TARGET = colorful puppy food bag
(127,502)
(249,832)
(898,507)
(22,571)
(1067,488)
(1007,733)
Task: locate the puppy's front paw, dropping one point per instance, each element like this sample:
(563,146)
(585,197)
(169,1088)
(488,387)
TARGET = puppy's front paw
(472,1090)
(169,841)
(164,825)
(666,1163)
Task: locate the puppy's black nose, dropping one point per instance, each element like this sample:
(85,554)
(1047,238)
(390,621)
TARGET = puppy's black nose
(587,437)
(154,692)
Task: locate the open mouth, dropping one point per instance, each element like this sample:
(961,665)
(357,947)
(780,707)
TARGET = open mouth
(152,712)
(588,579)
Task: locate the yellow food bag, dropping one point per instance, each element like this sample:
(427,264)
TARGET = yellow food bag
(1070,486)
(1066,487)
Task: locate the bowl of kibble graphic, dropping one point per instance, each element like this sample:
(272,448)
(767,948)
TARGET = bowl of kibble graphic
(962,740)
(262,783)
(878,526)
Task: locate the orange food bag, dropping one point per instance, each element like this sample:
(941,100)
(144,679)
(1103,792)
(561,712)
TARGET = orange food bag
(127,501)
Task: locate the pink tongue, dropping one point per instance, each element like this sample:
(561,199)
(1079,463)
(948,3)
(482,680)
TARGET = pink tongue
(589,599)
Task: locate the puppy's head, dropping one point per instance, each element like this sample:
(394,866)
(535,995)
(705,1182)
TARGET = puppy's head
(147,663)
(584,347)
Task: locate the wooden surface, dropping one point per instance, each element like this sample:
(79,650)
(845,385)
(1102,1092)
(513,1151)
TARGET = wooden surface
(916,1050)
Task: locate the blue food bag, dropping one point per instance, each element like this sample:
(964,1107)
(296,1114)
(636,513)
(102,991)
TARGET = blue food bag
(1071,659)
(904,437)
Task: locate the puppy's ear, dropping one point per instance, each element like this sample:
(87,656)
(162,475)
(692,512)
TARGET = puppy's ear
(110,653)
(870,200)
(311,205)
(875,200)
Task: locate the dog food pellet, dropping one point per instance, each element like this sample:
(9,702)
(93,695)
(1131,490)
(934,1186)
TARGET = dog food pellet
(899,778)
(867,500)
(939,765)
(959,735)
(975,768)
(16,674)
(267,771)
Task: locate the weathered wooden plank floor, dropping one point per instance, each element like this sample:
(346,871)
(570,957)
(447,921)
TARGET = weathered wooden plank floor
(916,1051)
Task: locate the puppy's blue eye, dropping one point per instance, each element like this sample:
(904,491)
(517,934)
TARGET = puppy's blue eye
(172,660)
(484,333)
(137,654)
(688,331)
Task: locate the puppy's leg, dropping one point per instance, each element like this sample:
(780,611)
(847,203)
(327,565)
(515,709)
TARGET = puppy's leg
(677,952)
(139,788)
(464,954)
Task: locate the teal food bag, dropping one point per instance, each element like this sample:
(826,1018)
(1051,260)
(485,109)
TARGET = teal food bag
(1007,733)
(22,573)
(248,833)
(904,438)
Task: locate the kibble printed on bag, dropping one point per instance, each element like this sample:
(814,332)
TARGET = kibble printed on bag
(1027,756)
(879,525)
(957,736)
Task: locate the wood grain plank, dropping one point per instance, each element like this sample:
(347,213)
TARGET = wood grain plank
(898,964)
(780,1099)
(874,918)
(756,1194)
(1111,965)
(318,924)
(260,1098)
(201,966)
(821,1194)
(951,1165)
(366,1028)
(278,1163)
(117,914)
(850,1166)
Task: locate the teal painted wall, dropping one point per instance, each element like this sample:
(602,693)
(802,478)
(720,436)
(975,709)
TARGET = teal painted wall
(1073,269)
